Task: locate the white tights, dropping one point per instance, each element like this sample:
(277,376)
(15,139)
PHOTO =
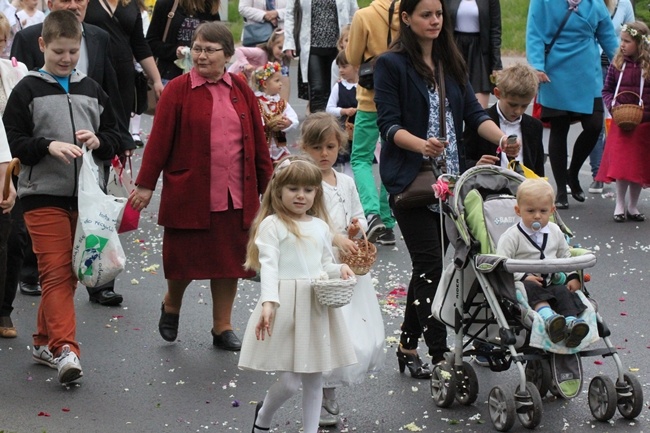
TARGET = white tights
(622,187)
(285,388)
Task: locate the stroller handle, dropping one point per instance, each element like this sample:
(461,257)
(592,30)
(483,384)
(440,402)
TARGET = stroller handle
(547,266)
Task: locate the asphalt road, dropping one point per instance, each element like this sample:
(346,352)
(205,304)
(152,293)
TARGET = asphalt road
(136,382)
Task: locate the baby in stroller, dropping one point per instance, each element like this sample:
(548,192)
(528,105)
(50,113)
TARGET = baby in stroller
(553,296)
(483,298)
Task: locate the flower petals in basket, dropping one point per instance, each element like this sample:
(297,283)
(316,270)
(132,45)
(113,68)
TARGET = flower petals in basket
(361,261)
(334,293)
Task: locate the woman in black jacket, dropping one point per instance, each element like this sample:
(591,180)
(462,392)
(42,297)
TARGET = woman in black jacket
(187,17)
(408,102)
(123,22)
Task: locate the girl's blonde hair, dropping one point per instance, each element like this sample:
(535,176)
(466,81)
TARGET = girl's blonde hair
(268,45)
(345,32)
(298,170)
(640,33)
(317,126)
(5,27)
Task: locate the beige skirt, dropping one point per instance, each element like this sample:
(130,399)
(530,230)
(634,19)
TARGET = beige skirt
(306,337)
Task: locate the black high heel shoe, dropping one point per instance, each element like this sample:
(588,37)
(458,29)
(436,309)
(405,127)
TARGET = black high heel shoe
(576,191)
(414,363)
(561,201)
(257,410)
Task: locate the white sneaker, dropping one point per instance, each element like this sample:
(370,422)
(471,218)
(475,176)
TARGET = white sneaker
(68,365)
(42,355)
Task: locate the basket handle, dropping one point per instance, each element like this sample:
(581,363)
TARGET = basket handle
(12,169)
(628,91)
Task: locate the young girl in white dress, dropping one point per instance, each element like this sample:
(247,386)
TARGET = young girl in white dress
(289,331)
(322,138)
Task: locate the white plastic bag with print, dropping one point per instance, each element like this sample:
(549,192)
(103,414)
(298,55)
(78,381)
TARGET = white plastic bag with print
(97,254)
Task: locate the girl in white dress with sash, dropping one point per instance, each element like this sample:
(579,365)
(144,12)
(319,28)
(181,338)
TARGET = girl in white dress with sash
(289,331)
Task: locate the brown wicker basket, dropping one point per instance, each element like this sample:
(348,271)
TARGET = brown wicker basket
(627,116)
(361,261)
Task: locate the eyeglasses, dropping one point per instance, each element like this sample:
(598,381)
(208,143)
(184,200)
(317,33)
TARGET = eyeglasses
(208,51)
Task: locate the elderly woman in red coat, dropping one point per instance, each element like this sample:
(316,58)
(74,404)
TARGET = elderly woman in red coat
(208,141)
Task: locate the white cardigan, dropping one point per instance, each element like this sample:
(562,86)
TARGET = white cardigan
(254,10)
(345,11)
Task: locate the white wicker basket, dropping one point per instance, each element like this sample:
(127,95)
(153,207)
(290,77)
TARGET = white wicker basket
(334,293)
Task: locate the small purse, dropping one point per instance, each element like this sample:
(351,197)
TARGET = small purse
(420,192)
(257,33)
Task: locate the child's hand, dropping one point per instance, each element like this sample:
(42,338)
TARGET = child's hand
(351,111)
(266,320)
(8,203)
(64,152)
(88,138)
(346,272)
(573,285)
(488,160)
(354,228)
(537,279)
(348,246)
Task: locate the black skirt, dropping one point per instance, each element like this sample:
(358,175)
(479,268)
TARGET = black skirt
(469,45)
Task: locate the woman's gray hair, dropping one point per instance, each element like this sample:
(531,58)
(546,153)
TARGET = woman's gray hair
(216,32)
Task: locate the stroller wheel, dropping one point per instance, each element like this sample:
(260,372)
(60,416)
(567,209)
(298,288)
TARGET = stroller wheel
(466,384)
(501,405)
(529,406)
(538,372)
(630,397)
(443,384)
(602,398)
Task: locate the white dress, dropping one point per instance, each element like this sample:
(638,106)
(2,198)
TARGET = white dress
(362,315)
(306,337)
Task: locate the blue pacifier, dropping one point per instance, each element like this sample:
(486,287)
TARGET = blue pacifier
(536,226)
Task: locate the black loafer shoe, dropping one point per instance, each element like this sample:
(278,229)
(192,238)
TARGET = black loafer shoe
(619,218)
(107,298)
(30,289)
(168,324)
(227,340)
(636,217)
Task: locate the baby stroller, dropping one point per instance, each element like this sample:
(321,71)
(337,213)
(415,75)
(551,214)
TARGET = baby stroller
(477,298)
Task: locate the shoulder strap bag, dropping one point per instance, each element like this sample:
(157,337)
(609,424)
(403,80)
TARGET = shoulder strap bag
(367,67)
(420,193)
(547,47)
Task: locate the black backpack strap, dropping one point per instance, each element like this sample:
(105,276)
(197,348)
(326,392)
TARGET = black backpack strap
(548,47)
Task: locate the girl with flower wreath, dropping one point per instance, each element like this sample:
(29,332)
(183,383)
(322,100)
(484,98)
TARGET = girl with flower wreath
(277,115)
(626,156)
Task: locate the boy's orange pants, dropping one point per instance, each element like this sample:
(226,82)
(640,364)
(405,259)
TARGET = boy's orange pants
(52,231)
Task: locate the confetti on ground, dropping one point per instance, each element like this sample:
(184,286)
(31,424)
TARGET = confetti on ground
(412,427)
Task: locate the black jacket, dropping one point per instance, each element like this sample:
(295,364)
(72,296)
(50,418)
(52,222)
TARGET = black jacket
(531,142)
(165,52)
(25,49)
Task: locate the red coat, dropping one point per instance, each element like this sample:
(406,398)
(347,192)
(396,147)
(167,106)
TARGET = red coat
(179,147)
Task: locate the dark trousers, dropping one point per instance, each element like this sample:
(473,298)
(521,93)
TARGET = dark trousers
(585,143)
(563,301)
(319,77)
(6,298)
(16,240)
(423,237)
